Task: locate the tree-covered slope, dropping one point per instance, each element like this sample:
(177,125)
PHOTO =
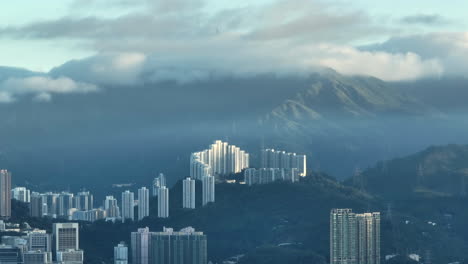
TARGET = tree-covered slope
(436,171)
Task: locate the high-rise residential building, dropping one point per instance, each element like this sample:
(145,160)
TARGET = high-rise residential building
(5,194)
(140,246)
(368,246)
(271,158)
(37,257)
(268,175)
(143,203)
(21,194)
(94,215)
(163,202)
(185,246)
(111,206)
(51,200)
(128,204)
(188,192)
(219,160)
(65,203)
(39,241)
(208,184)
(36,207)
(343,237)
(158,182)
(84,201)
(354,238)
(121,253)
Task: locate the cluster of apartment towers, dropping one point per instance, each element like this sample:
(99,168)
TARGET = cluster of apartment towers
(80,206)
(208,166)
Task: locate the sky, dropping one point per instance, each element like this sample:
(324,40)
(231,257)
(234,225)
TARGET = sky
(96,42)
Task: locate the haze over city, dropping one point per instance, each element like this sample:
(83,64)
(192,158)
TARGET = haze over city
(233,132)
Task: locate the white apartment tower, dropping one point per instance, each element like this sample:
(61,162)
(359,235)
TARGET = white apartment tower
(220,159)
(65,203)
(157,183)
(163,202)
(140,242)
(271,158)
(111,206)
(143,203)
(188,192)
(128,203)
(21,194)
(208,183)
(121,253)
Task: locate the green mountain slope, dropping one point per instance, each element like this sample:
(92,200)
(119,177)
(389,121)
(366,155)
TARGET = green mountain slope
(436,171)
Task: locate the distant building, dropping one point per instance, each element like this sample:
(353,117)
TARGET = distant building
(84,201)
(188,192)
(66,237)
(37,257)
(15,241)
(95,215)
(343,237)
(36,207)
(271,158)
(143,203)
(219,160)
(269,175)
(121,254)
(112,207)
(208,184)
(5,194)
(185,246)
(10,254)
(140,246)
(368,246)
(128,203)
(163,202)
(158,182)
(51,200)
(354,238)
(70,257)
(65,203)
(39,241)
(21,194)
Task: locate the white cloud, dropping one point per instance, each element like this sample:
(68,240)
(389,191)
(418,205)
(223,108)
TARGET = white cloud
(385,66)
(43,97)
(5,97)
(449,49)
(117,69)
(41,87)
(180,40)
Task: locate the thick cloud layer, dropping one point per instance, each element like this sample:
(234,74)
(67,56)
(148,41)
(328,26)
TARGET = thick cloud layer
(450,50)
(41,88)
(182,40)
